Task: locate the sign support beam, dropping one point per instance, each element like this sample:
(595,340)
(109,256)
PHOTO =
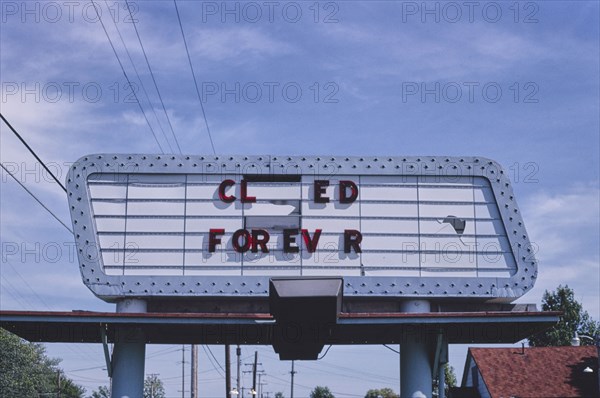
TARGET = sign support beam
(107,357)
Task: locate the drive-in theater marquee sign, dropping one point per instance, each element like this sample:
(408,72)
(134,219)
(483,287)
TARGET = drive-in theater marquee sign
(222,226)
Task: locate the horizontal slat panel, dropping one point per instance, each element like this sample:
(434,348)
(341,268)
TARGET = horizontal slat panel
(411,226)
(389,210)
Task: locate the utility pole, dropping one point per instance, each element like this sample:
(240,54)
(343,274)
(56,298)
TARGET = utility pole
(259,374)
(261,388)
(58,392)
(238,352)
(183,371)
(227,372)
(260,384)
(194,381)
(254,372)
(293,372)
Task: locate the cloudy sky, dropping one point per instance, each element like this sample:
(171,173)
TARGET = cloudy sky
(513,81)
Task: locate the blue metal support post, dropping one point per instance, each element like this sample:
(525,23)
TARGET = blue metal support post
(415,365)
(128,360)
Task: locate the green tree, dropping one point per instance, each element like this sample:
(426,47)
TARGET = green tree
(153,387)
(588,327)
(321,392)
(102,392)
(381,393)
(450,376)
(26,371)
(449,380)
(279,394)
(574,319)
(68,389)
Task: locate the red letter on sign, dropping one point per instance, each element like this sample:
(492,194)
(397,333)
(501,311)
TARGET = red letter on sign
(213,240)
(344,185)
(311,244)
(262,241)
(236,241)
(352,239)
(222,186)
(320,188)
(289,238)
(244,193)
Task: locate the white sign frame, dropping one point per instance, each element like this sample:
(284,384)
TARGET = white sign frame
(115,287)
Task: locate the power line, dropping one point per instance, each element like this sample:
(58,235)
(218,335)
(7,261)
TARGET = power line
(127,77)
(85,369)
(32,152)
(80,352)
(212,363)
(194,76)
(352,373)
(152,75)
(216,360)
(391,349)
(11,287)
(163,352)
(140,79)
(35,197)
(326,351)
(27,284)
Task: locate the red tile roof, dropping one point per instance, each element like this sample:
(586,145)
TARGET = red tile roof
(539,372)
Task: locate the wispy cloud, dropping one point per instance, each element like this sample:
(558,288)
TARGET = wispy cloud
(563,222)
(240,45)
(449,51)
(564,226)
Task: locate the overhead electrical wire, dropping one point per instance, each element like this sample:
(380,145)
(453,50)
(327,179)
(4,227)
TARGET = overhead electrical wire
(127,77)
(164,351)
(215,358)
(194,76)
(15,290)
(350,373)
(204,347)
(5,260)
(140,80)
(152,74)
(32,152)
(79,351)
(35,197)
(85,369)
(326,351)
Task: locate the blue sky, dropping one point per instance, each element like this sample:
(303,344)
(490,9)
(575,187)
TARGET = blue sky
(515,82)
